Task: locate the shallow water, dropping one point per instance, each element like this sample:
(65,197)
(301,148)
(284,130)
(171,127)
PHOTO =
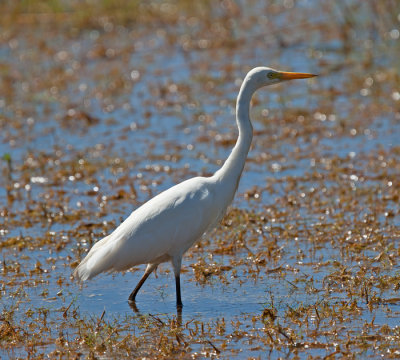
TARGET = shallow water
(108,116)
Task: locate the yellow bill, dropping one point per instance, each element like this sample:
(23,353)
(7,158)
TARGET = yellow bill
(284,75)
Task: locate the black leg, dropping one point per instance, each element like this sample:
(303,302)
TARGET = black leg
(176,263)
(149,269)
(179,304)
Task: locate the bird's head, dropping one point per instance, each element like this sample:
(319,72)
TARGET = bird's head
(264,76)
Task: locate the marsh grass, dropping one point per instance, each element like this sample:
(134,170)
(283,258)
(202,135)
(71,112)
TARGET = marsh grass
(107,103)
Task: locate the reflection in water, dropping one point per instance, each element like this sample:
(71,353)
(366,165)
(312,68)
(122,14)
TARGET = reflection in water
(133,306)
(103,120)
(136,310)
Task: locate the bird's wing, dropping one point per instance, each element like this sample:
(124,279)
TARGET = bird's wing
(164,227)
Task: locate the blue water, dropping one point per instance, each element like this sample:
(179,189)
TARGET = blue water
(140,131)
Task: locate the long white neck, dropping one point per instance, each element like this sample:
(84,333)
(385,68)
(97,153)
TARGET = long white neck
(233,166)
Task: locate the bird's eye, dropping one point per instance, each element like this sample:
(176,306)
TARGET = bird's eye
(271,75)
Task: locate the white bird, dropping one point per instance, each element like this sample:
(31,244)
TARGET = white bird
(166,226)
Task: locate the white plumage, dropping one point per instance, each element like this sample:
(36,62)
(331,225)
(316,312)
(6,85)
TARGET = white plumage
(166,226)
(137,239)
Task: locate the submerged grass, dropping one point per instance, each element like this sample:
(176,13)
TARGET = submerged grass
(305,264)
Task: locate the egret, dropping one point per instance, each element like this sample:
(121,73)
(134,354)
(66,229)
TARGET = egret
(166,226)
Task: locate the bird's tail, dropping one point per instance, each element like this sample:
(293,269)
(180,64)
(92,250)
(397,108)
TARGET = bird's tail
(95,261)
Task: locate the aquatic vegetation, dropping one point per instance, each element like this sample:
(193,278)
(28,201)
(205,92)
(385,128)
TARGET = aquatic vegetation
(104,105)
